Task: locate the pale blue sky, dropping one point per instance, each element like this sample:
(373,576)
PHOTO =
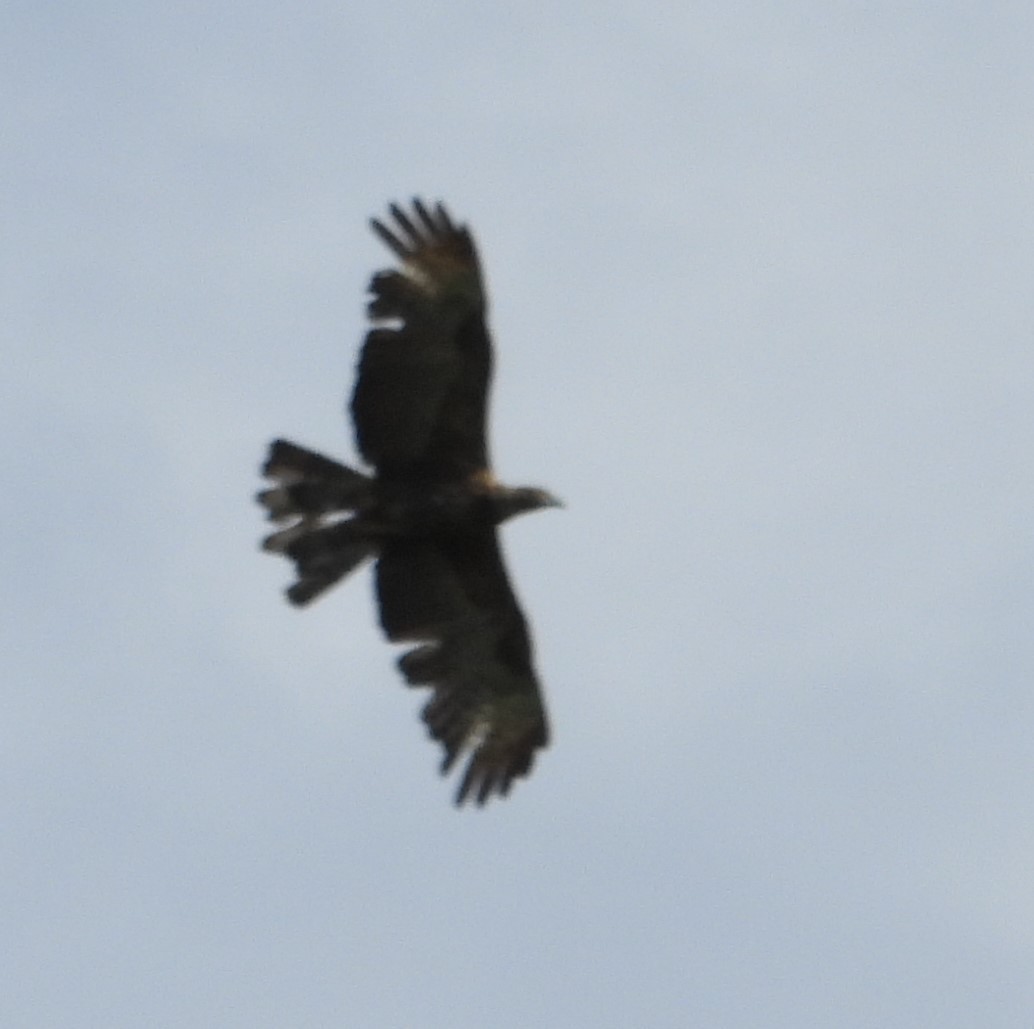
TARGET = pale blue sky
(761,280)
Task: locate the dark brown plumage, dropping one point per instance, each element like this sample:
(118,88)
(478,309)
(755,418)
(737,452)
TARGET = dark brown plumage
(429,510)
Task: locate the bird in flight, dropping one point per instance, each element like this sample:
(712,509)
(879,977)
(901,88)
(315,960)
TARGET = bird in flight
(428,508)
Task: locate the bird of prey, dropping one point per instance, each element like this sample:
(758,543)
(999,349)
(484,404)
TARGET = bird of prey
(428,506)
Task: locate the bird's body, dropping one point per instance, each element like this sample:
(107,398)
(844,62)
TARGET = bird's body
(429,510)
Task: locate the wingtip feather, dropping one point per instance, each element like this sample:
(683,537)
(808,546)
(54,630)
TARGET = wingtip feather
(390,240)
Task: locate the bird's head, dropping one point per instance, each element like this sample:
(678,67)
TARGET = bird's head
(511,502)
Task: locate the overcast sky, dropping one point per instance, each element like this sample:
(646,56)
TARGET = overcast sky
(762,293)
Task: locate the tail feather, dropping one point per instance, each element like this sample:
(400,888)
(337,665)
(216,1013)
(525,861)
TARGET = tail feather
(324,556)
(310,496)
(308,483)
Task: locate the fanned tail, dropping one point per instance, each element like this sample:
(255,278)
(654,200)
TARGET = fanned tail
(312,497)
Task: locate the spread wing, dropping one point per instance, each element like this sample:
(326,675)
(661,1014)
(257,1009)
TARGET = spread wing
(452,597)
(421,395)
